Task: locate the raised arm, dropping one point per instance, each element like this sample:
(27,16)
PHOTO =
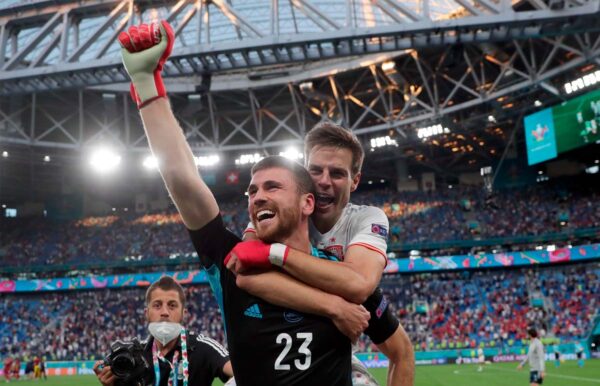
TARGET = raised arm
(144,53)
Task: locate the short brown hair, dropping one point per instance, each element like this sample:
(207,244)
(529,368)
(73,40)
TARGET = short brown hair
(330,134)
(303,181)
(166,283)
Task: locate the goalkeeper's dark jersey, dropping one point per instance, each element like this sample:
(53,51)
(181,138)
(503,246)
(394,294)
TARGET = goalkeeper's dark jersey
(268,344)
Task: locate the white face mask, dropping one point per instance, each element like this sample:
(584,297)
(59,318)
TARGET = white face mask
(164,332)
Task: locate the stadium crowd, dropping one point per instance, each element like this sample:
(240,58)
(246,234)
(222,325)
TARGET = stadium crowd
(520,212)
(438,310)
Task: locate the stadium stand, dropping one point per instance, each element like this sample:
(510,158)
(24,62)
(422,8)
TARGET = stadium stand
(523,212)
(439,311)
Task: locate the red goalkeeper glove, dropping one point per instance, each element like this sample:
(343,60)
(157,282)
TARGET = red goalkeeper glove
(145,49)
(256,254)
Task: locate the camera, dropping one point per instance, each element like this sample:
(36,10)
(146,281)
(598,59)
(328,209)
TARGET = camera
(128,364)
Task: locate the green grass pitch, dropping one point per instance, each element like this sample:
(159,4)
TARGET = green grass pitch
(497,374)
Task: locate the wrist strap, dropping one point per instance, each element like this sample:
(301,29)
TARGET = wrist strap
(277,254)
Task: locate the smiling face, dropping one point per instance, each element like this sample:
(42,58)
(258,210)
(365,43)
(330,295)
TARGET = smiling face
(275,204)
(164,306)
(331,170)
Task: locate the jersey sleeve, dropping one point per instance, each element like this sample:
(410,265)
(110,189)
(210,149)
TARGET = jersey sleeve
(370,230)
(383,323)
(213,242)
(215,355)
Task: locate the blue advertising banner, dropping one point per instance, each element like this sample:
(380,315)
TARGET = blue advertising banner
(95,282)
(493,260)
(422,264)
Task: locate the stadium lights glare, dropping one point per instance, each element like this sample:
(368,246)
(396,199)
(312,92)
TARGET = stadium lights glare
(592,169)
(583,82)
(491,118)
(426,132)
(246,159)
(292,154)
(150,163)
(389,65)
(209,160)
(5,154)
(104,160)
(382,142)
(537,103)
(46,158)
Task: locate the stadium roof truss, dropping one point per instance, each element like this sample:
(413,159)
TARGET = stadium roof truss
(256,75)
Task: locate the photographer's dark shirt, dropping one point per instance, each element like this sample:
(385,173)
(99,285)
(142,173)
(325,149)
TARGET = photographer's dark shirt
(268,344)
(206,360)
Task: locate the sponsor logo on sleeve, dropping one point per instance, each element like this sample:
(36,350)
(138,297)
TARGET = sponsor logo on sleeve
(379,229)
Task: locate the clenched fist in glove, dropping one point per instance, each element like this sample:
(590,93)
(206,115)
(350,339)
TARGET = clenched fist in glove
(256,254)
(145,48)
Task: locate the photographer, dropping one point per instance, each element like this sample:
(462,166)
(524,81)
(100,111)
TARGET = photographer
(196,359)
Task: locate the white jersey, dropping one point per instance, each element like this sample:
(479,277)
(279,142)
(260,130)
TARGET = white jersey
(535,356)
(358,225)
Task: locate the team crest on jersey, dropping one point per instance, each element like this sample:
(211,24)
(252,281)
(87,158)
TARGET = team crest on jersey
(292,317)
(337,250)
(379,229)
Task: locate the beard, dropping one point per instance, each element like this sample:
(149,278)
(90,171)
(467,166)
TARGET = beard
(287,223)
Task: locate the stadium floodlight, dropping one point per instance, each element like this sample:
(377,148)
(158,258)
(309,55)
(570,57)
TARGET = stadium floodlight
(248,159)
(583,82)
(537,103)
(209,160)
(382,142)
(592,169)
(46,158)
(5,154)
(291,153)
(388,66)
(429,131)
(306,87)
(104,160)
(491,118)
(150,162)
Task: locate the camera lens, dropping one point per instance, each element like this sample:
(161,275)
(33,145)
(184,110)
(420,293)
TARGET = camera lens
(122,365)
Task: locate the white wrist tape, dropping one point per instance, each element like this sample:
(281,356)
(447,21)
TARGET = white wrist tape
(277,254)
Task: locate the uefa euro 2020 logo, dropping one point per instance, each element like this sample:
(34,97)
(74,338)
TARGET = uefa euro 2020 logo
(540,132)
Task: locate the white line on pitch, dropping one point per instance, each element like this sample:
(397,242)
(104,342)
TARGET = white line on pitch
(555,375)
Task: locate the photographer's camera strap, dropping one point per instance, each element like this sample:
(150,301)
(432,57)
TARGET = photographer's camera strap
(175,364)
